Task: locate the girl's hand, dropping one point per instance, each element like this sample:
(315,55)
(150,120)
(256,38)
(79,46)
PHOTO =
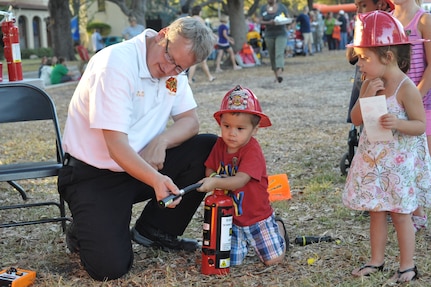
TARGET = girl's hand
(389,121)
(374,85)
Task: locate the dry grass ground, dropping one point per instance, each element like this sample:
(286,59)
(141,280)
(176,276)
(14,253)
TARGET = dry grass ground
(307,140)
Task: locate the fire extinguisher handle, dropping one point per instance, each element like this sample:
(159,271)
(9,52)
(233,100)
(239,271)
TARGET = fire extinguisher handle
(171,198)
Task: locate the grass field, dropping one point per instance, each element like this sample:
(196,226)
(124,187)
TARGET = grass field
(306,142)
(30,65)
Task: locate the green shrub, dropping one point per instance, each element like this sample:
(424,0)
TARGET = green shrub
(39,52)
(44,52)
(104,28)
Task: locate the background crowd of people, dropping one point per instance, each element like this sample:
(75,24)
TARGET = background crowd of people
(310,29)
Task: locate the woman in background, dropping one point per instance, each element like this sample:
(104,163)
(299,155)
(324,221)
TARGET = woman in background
(275,35)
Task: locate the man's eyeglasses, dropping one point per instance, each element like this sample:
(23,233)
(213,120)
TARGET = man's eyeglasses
(171,61)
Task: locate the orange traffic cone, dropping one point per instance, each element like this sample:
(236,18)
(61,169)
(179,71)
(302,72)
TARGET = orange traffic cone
(278,187)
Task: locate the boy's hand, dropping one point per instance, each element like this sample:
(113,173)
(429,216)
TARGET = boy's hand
(208,184)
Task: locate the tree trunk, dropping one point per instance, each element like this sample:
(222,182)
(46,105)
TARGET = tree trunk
(60,29)
(310,4)
(135,8)
(237,27)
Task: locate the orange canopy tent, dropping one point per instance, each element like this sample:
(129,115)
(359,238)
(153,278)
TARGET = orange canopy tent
(323,8)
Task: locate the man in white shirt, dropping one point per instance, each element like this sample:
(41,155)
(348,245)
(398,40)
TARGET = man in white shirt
(119,150)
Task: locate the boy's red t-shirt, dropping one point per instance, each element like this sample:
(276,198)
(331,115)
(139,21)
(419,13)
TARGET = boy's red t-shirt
(252,200)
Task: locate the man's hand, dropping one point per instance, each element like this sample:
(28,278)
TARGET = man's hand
(185,126)
(139,168)
(154,153)
(165,187)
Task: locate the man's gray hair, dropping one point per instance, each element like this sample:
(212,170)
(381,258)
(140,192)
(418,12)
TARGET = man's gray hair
(201,38)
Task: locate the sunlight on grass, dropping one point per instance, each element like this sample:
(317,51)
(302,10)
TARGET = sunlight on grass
(317,188)
(306,143)
(31,65)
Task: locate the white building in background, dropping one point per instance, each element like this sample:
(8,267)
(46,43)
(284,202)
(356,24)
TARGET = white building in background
(33,20)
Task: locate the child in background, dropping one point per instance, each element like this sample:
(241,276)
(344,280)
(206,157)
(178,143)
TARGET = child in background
(45,72)
(223,43)
(42,64)
(238,158)
(54,61)
(388,176)
(196,12)
(417,24)
(60,73)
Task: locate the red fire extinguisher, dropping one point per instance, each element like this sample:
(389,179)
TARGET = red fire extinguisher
(12,51)
(217,232)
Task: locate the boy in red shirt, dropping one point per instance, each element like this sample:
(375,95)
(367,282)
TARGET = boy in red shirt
(238,160)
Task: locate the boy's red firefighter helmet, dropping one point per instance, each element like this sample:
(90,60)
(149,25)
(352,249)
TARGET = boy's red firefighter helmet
(242,100)
(378,28)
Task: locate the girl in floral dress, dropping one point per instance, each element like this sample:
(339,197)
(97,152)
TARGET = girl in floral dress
(389,176)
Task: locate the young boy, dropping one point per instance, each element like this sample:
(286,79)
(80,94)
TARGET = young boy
(238,158)
(224,44)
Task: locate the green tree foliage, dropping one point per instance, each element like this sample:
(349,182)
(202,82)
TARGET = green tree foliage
(104,28)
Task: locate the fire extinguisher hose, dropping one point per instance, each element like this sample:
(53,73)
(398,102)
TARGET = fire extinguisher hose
(171,198)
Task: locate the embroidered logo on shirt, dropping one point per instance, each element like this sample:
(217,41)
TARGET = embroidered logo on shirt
(140,93)
(171,85)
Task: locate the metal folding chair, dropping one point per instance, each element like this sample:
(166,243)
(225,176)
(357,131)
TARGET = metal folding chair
(23,106)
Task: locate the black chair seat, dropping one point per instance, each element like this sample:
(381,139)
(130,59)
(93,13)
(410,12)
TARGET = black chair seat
(28,170)
(28,106)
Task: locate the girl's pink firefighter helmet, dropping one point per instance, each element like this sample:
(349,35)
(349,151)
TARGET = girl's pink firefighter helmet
(242,100)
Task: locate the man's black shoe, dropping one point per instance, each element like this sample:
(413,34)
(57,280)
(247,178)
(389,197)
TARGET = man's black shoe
(71,240)
(159,239)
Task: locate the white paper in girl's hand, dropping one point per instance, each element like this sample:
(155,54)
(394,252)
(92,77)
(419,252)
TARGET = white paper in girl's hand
(372,109)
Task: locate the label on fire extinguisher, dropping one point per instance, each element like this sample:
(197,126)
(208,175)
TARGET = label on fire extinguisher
(225,233)
(224,263)
(16,53)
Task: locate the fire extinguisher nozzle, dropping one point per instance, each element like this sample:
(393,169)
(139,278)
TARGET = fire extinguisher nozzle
(165,202)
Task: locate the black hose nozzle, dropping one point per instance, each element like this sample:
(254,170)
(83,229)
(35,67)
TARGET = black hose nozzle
(171,198)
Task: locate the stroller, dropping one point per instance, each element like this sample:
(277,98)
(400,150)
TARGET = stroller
(295,43)
(355,131)
(254,40)
(352,142)
(299,43)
